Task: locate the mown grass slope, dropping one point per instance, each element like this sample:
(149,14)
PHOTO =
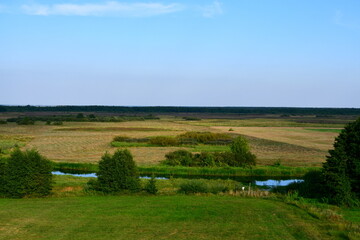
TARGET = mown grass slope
(157,217)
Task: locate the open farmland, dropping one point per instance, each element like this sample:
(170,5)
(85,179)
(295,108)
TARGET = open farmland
(272,140)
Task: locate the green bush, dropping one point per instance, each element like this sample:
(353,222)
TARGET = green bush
(26,174)
(204,137)
(3,122)
(164,141)
(118,172)
(193,186)
(191,118)
(58,123)
(25,121)
(120,138)
(203,160)
(150,187)
(242,155)
(311,187)
(178,158)
(223,159)
(2,176)
(204,186)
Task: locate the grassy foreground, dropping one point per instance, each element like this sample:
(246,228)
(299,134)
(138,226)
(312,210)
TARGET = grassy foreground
(158,217)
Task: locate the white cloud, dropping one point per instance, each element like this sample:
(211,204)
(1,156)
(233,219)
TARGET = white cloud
(212,10)
(111,8)
(340,20)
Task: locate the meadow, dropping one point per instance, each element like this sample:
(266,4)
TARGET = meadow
(158,217)
(271,140)
(284,147)
(72,213)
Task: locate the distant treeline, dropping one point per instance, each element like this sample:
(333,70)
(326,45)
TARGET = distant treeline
(212,110)
(78,118)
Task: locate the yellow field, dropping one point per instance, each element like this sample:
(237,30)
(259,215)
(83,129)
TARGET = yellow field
(88,141)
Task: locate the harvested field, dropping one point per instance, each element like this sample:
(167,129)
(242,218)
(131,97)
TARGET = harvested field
(88,141)
(111,129)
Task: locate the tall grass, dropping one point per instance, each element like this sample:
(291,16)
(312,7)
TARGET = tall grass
(75,167)
(268,171)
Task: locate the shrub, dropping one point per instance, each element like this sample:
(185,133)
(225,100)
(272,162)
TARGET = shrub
(204,186)
(26,174)
(118,172)
(3,122)
(312,185)
(164,141)
(150,187)
(205,137)
(242,155)
(223,159)
(178,158)
(193,186)
(120,138)
(191,119)
(2,175)
(25,121)
(58,123)
(203,160)
(277,163)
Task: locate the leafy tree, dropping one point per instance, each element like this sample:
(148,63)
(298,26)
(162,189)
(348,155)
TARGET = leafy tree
(341,171)
(118,172)
(242,155)
(26,174)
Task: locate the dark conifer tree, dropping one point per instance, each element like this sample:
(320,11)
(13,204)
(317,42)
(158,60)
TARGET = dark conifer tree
(341,171)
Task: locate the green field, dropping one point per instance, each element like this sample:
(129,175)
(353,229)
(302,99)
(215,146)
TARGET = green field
(283,148)
(158,217)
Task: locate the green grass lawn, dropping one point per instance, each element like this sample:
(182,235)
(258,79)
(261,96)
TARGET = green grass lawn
(352,215)
(157,217)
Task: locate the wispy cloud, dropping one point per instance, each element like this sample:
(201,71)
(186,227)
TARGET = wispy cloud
(212,10)
(340,20)
(111,8)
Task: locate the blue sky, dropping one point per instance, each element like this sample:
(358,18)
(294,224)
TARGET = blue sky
(296,53)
